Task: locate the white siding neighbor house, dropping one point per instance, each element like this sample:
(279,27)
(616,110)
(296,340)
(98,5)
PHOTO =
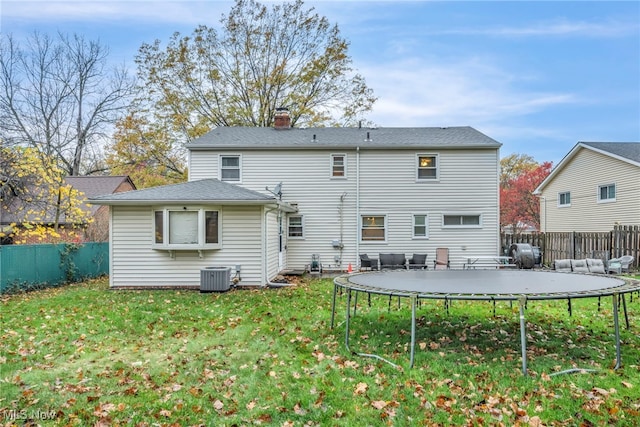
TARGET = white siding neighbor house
(265,200)
(595,187)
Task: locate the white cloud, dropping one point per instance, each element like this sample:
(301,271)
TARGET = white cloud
(420,93)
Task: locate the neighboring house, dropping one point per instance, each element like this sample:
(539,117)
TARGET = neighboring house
(265,200)
(593,188)
(89,186)
(92,186)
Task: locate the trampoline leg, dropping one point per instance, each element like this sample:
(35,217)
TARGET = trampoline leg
(333,304)
(346,334)
(617,331)
(523,336)
(624,310)
(413,330)
(355,304)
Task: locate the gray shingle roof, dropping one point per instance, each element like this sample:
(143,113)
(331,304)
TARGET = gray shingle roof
(334,137)
(627,150)
(93,186)
(205,190)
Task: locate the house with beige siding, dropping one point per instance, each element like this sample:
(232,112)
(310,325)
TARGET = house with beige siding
(593,188)
(263,201)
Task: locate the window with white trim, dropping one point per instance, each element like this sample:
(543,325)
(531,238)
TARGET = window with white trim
(564,199)
(186,228)
(373,228)
(230,168)
(607,193)
(427,167)
(338,166)
(420,226)
(462,221)
(296,227)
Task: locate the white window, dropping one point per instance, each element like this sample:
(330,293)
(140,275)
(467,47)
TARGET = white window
(338,166)
(427,167)
(462,221)
(373,228)
(230,168)
(420,226)
(186,228)
(607,193)
(564,199)
(296,227)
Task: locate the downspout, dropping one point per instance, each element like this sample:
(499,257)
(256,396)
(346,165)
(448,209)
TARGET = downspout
(357,246)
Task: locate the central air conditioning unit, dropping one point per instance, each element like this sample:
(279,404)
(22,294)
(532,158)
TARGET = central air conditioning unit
(215,279)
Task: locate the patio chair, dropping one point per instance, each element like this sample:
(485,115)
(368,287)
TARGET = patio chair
(442,259)
(315,267)
(418,262)
(579,266)
(392,261)
(562,265)
(621,264)
(596,265)
(366,262)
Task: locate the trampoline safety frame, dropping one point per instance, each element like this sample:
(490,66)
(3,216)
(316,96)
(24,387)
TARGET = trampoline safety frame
(431,284)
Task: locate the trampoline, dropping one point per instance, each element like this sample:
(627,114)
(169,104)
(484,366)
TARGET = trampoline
(484,285)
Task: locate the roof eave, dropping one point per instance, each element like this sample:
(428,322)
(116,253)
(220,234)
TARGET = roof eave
(181,202)
(363,146)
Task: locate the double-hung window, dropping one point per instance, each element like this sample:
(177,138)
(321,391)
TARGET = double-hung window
(420,226)
(296,227)
(427,167)
(186,228)
(230,168)
(373,228)
(462,221)
(338,166)
(564,199)
(607,193)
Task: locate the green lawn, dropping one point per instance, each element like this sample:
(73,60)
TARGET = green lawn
(84,355)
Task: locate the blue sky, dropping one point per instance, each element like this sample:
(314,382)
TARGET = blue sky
(536,76)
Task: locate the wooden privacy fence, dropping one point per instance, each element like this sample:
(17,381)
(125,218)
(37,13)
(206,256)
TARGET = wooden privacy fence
(622,240)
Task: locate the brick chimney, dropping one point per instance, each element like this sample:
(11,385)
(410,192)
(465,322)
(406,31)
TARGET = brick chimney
(282,119)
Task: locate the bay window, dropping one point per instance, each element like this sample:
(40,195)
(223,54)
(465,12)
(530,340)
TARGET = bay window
(186,228)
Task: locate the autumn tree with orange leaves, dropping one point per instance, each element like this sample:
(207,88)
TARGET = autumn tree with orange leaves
(519,207)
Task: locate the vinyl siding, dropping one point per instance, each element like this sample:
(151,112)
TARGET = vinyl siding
(581,177)
(135,263)
(468,184)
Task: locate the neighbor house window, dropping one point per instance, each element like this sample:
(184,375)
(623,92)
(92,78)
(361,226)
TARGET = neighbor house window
(230,168)
(338,166)
(296,229)
(427,167)
(373,228)
(420,227)
(607,193)
(186,228)
(564,199)
(461,221)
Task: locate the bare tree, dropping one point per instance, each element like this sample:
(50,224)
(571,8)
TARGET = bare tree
(59,97)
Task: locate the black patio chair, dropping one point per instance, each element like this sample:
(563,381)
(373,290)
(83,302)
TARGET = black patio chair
(366,262)
(418,262)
